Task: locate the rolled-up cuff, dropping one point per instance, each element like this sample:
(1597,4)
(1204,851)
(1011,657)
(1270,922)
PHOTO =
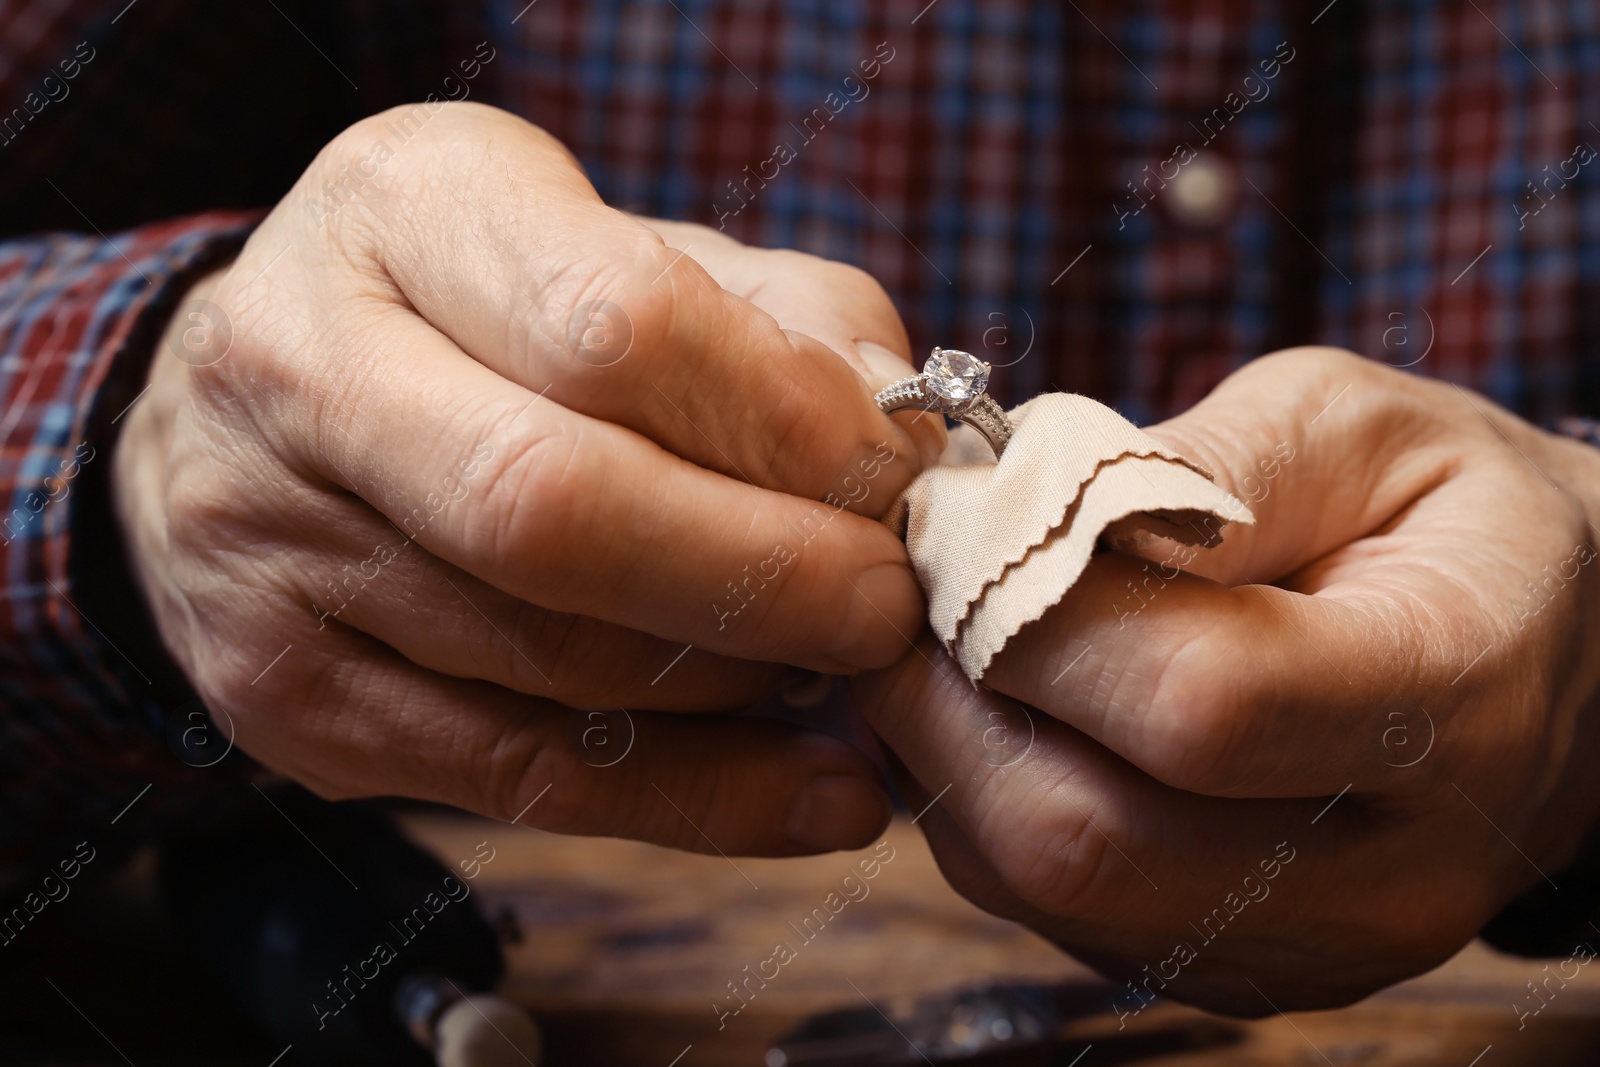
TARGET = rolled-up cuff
(90,696)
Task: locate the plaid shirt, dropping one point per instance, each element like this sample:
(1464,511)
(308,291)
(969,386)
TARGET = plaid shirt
(1126,200)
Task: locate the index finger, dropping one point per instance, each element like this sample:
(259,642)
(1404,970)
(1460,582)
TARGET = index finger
(1043,826)
(516,259)
(581,516)
(1251,691)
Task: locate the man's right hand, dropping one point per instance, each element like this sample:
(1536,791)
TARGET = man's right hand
(453,447)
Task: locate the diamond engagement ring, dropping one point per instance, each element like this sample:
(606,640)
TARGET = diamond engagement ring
(952,383)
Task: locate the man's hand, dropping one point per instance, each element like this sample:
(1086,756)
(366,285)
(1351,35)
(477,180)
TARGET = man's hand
(453,447)
(1320,760)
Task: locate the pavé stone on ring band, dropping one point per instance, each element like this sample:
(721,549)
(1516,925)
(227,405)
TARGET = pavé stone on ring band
(952,383)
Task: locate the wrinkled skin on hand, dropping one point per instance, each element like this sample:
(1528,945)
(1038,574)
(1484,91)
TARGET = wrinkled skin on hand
(462,448)
(1148,776)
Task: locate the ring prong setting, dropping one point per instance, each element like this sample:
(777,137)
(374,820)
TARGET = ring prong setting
(952,383)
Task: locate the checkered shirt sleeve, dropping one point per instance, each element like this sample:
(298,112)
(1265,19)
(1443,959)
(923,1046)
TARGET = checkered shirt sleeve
(84,716)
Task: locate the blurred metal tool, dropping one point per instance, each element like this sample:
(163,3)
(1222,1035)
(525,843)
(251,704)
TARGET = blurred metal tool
(991,1023)
(968,1023)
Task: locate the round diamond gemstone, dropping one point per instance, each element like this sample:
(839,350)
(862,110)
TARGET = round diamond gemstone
(956,376)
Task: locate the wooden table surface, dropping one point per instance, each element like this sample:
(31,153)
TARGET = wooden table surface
(622,949)
(625,948)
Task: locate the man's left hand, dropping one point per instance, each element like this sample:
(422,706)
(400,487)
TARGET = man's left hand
(1310,762)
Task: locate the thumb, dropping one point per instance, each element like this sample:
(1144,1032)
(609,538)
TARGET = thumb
(1323,446)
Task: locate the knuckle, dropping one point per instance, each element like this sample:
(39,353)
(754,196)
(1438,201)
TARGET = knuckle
(630,279)
(850,291)
(526,772)
(801,450)
(845,278)
(1316,369)
(849,278)
(631,275)
(1056,866)
(1190,734)
(1318,360)
(463,121)
(356,139)
(415,152)
(359,160)
(538,493)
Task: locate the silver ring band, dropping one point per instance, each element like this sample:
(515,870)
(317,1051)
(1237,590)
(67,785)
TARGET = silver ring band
(953,386)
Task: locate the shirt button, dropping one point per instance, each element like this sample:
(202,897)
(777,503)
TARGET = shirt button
(1203,194)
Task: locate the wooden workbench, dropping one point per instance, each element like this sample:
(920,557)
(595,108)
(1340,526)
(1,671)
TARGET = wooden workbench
(622,949)
(625,948)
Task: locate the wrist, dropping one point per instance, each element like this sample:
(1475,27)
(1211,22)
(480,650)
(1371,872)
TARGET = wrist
(140,458)
(87,726)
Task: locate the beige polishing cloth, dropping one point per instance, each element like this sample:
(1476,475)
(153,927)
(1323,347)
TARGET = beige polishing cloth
(995,545)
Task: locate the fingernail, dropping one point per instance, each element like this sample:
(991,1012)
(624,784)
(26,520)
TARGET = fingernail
(883,366)
(837,811)
(883,618)
(927,430)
